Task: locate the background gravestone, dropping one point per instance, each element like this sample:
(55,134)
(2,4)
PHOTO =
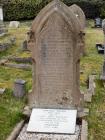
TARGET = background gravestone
(98,22)
(103,26)
(2,27)
(24,45)
(1,13)
(53,41)
(82,20)
(14,24)
(19,88)
(103,68)
(79,14)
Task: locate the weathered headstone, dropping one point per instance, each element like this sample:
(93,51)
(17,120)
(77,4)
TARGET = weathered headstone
(98,22)
(1,13)
(14,24)
(24,45)
(102,77)
(2,90)
(100,48)
(53,41)
(103,26)
(79,14)
(82,20)
(2,27)
(19,88)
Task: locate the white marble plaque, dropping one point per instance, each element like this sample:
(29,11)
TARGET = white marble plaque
(1,13)
(52,121)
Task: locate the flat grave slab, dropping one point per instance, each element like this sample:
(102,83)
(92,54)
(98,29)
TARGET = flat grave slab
(52,121)
(24,135)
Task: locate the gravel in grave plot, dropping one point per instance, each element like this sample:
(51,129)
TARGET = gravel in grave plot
(39,136)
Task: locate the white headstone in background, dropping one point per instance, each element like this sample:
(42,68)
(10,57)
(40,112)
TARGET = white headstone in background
(53,121)
(1,13)
(14,24)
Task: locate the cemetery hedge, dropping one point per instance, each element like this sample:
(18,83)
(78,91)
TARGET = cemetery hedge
(28,9)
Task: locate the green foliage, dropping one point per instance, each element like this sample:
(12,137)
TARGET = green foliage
(10,113)
(21,9)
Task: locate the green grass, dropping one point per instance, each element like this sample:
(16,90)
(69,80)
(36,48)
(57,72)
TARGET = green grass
(10,113)
(92,63)
(96,117)
(11,108)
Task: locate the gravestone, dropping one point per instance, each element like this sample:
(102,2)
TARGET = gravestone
(19,88)
(100,48)
(2,90)
(53,41)
(1,13)
(98,22)
(82,20)
(56,99)
(2,27)
(103,26)
(24,45)
(102,77)
(14,24)
(79,14)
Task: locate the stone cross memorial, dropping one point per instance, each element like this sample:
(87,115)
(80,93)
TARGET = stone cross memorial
(53,41)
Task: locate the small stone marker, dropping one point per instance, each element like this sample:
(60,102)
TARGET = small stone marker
(24,45)
(19,88)
(98,22)
(14,24)
(53,121)
(100,48)
(102,77)
(2,90)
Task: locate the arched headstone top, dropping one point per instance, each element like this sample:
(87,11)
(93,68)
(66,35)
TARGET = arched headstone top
(61,9)
(79,14)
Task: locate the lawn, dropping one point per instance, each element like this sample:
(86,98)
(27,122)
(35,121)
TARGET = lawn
(11,108)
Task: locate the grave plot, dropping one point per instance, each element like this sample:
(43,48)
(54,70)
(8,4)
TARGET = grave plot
(56,71)
(45,48)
